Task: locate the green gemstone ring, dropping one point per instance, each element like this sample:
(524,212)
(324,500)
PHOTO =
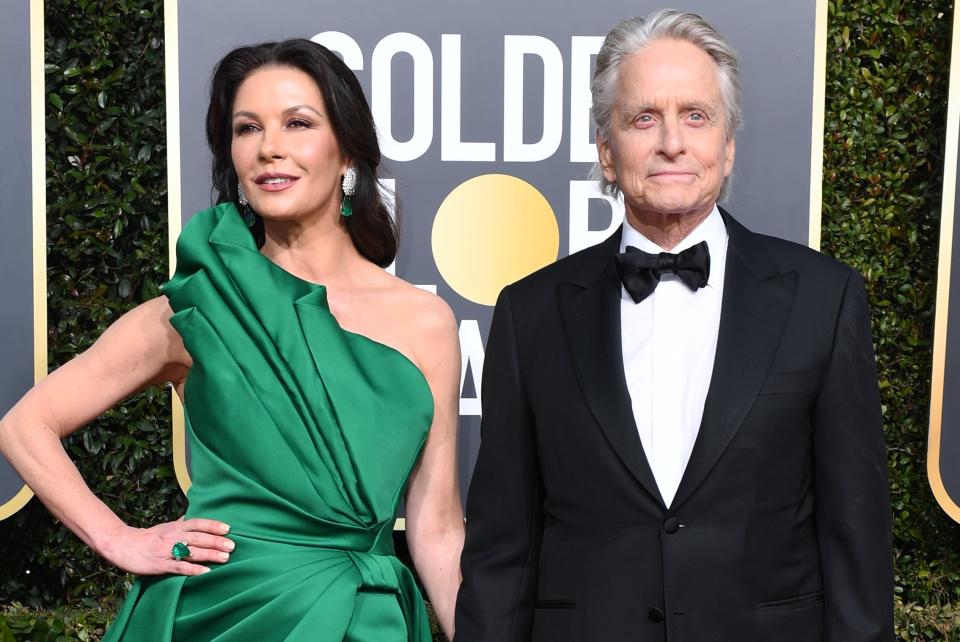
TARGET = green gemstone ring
(180,550)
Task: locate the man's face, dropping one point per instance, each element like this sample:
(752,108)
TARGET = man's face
(668,150)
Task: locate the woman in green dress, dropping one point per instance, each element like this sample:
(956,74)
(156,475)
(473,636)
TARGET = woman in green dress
(319,389)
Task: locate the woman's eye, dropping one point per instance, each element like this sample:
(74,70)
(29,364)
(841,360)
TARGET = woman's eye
(298,123)
(245,128)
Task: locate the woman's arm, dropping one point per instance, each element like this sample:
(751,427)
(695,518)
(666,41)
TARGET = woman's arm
(139,350)
(434,513)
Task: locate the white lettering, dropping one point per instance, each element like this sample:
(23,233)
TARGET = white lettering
(451,147)
(342,44)
(582,147)
(515,48)
(581,236)
(471,355)
(382,95)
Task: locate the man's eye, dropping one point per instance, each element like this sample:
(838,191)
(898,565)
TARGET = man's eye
(696,116)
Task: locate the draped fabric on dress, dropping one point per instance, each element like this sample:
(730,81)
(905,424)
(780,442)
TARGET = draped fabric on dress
(303,436)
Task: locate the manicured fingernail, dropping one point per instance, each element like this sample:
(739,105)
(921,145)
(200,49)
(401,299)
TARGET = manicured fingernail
(230,545)
(206,569)
(225,528)
(223,557)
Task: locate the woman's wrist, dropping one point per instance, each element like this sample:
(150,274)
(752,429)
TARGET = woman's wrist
(106,540)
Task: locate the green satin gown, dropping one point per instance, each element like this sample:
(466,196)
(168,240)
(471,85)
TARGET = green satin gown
(303,436)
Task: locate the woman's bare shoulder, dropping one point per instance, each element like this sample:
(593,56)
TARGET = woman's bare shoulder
(426,313)
(418,322)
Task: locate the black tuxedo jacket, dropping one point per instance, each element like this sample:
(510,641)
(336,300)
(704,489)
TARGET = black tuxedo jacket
(781,527)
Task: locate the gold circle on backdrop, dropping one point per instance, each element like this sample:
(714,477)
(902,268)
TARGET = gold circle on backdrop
(490,231)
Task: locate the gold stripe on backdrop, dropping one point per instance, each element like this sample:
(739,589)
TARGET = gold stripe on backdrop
(948,206)
(171,30)
(38,193)
(816,126)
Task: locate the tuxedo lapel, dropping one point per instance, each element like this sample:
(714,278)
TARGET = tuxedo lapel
(590,312)
(757,299)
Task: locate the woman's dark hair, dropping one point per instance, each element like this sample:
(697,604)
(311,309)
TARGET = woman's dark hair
(371,227)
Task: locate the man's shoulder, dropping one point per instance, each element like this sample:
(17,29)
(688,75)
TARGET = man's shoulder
(791,256)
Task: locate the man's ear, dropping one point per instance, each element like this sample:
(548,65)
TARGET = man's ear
(605,154)
(729,154)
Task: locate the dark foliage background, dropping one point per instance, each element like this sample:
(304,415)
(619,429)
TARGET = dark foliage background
(106,178)
(883,167)
(107,251)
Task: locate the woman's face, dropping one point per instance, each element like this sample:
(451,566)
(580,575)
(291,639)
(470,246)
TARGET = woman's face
(284,150)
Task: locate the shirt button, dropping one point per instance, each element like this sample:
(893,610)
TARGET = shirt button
(671,525)
(656,615)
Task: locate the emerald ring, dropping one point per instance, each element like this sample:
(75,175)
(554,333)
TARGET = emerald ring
(179,551)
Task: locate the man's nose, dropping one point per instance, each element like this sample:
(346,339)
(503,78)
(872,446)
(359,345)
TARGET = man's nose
(671,138)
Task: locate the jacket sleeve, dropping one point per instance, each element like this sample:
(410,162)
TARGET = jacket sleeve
(504,503)
(852,505)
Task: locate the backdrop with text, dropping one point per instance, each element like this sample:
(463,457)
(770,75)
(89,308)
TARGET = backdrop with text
(484,119)
(483,114)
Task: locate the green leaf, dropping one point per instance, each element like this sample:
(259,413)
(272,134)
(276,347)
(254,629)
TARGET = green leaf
(74,135)
(6,635)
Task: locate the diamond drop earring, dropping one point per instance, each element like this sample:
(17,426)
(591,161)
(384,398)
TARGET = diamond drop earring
(246,212)
(349,186)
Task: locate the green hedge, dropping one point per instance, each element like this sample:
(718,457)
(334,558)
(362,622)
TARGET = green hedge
(61,624)
(883,165)
(107,251)
(886,104)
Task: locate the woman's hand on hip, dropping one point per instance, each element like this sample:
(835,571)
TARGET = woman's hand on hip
(150,551)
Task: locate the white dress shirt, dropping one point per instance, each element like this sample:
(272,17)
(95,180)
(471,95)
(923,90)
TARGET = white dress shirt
(669,341)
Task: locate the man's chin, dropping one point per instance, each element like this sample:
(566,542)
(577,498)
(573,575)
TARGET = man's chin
(673,208)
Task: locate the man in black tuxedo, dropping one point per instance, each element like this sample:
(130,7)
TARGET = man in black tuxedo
(681,437)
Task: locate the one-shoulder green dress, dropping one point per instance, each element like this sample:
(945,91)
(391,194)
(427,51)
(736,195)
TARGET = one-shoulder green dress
(303,436)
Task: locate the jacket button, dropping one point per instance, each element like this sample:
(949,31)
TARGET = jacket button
(671,525)
(656,615)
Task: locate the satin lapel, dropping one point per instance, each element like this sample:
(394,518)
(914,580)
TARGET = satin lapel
(757,300)
(590,311)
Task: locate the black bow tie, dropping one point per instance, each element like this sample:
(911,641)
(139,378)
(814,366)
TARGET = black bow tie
(640,272)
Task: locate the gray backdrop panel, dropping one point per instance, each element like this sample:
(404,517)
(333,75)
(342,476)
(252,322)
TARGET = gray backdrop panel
(776,45)
(16,216)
